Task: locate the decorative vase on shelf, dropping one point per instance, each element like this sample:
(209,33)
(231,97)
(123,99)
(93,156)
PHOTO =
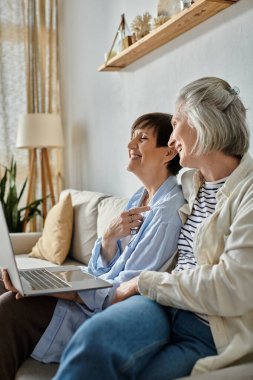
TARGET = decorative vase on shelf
(169,7)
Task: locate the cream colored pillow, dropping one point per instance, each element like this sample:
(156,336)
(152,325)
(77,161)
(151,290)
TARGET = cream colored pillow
(55,241)
(85,204)
(108,209)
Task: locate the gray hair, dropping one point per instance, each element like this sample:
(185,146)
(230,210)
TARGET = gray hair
(217,113)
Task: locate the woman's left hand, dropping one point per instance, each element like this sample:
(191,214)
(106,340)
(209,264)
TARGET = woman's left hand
(8,284)
(126,290)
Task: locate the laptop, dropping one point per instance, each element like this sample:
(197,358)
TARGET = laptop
(43,281)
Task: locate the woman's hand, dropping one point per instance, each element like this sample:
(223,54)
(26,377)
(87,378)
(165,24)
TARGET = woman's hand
(126,290)
(8,284)
(71,296)
(120,227)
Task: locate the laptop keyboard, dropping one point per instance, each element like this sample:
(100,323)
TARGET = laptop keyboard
(40,279)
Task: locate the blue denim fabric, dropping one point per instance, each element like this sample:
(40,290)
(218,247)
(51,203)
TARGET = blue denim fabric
(154,244)
(136,339)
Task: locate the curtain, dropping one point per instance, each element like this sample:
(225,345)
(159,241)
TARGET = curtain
(42,70)
(40,18)
(12,81)
(29,75)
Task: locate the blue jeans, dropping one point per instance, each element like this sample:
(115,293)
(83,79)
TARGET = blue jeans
(136,339)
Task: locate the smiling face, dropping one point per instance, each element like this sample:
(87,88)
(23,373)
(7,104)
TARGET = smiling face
(146,159)
(184,138)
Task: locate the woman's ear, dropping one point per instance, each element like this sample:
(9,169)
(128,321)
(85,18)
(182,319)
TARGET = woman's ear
(170,154)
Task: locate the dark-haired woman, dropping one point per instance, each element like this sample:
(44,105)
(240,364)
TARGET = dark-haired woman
(143,237)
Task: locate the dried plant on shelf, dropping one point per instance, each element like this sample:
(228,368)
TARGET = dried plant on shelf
(158,21)
(141,25)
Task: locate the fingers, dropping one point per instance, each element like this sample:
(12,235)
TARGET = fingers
(7,281)
(128,223)
(135,221)
(138,210)
(135,218)
(126,289)
(136,213)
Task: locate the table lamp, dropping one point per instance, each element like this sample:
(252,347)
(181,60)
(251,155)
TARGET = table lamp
(40,131)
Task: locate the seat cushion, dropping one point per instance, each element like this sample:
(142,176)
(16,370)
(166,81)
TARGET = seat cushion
(26,262)
(33,370)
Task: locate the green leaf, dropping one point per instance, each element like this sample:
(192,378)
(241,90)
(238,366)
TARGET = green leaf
(3,186)
(15,216)
(22,190)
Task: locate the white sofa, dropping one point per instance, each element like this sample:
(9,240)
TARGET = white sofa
(92,213)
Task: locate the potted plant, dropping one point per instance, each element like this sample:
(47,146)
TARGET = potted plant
(16,217)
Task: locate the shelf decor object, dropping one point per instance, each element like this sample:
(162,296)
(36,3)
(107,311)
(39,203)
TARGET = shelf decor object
(40,131)
(185,20)
(141,26)
(121,41)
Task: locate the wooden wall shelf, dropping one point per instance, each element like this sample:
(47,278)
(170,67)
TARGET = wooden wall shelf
(200,11)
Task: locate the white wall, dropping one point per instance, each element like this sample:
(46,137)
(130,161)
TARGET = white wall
(99,107)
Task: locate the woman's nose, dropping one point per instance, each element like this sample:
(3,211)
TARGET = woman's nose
(132,143)
(171,142)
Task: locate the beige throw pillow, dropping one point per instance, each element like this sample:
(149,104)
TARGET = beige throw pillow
(55,241)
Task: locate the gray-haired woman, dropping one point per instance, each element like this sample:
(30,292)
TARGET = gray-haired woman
(202,319)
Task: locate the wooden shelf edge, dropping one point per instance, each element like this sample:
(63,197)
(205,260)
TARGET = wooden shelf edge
(200,11)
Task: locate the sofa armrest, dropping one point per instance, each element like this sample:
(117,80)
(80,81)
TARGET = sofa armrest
(23,242)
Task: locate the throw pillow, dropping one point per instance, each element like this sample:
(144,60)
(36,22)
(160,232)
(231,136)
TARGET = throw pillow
(85,205)
(55,241)
(108,209)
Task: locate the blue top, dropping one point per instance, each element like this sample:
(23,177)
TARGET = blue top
(149,249)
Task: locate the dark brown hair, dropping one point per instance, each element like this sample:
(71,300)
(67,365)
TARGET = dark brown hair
(161,124)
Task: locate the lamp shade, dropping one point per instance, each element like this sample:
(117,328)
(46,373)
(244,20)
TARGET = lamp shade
(39,130)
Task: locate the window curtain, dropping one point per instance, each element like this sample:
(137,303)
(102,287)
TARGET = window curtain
(29,75)
(42,70)
(12,82)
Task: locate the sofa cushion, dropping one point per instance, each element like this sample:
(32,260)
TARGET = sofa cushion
(55,241)
(23,242)
(33,370)
(84,235)
(108,209)
(25,262)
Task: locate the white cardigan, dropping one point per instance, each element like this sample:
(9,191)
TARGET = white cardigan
(221,285)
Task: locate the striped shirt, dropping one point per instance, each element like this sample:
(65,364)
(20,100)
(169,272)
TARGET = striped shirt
(204,205)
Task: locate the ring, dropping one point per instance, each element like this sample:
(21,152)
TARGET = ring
(133,231)
(131,217)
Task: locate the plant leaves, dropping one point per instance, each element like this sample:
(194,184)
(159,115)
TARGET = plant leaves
(3,186)
(22,190)
(16,217)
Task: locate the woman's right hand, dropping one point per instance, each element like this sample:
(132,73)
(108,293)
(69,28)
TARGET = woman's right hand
(126,289)
(121,227)
(8,284)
